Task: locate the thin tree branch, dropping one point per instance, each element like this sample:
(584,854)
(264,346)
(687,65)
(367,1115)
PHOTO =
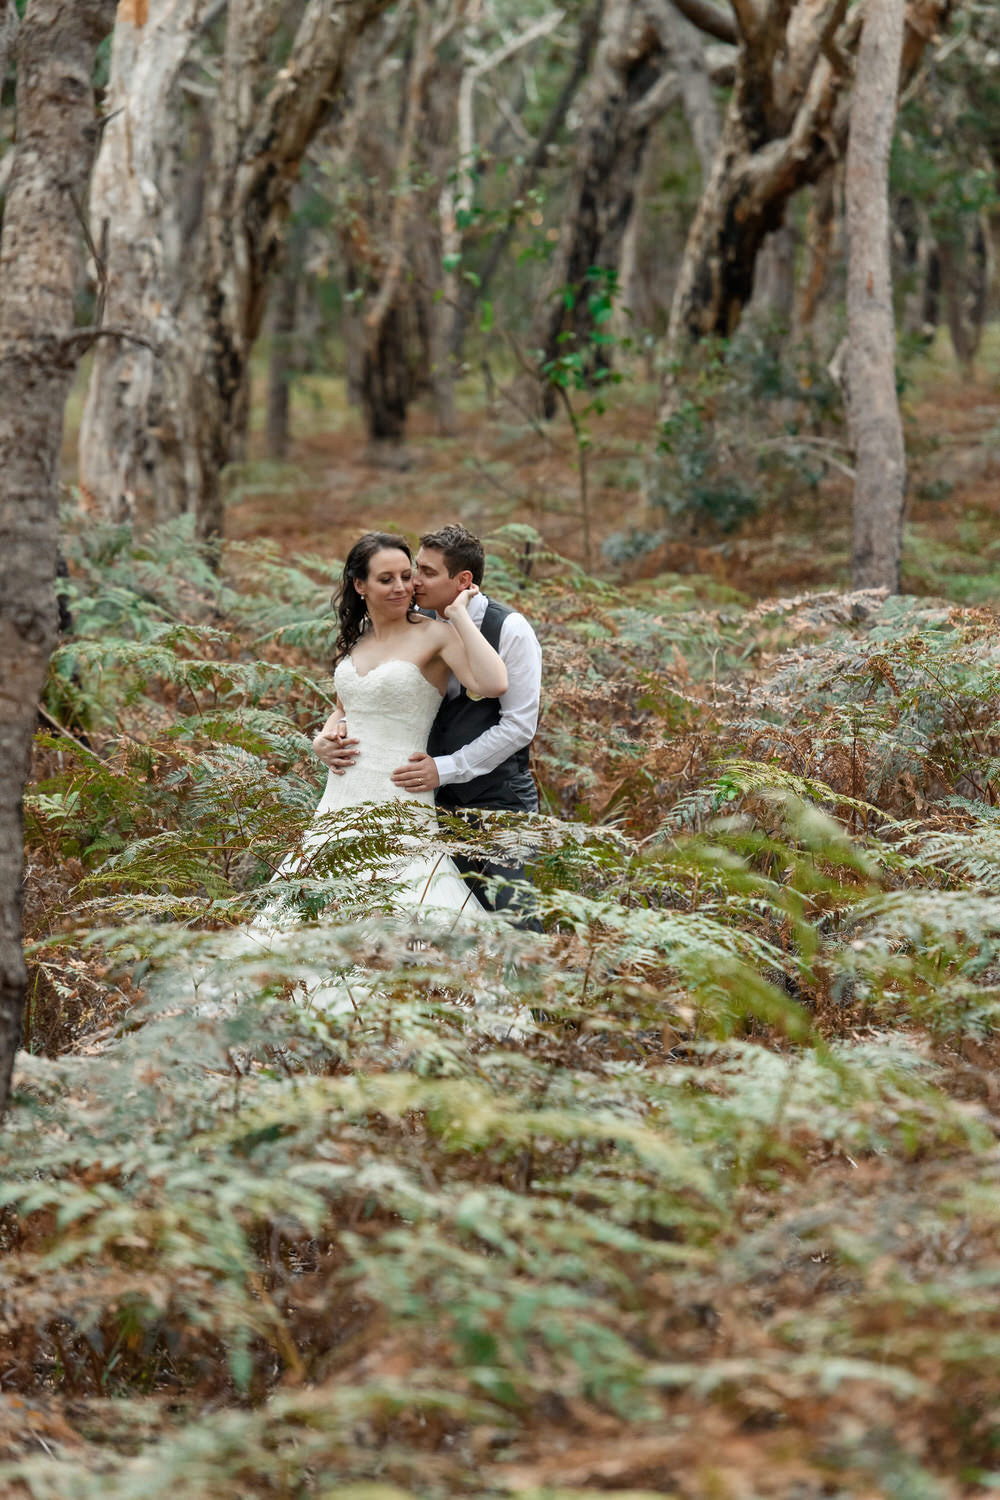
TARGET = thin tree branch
(654,103)
(466,127)
(94,331)
(100,265)
(532,170)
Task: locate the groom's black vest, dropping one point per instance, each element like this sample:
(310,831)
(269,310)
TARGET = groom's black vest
(462,719)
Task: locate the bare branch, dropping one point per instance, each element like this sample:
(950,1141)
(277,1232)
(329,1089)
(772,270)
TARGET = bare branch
(655,102)
(466,128)
(587,37)
(89,335)
(709,18)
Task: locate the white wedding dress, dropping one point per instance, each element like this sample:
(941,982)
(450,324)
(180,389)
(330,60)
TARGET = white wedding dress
(390,710)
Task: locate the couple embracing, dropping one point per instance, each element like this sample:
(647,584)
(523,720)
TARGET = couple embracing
(437,700)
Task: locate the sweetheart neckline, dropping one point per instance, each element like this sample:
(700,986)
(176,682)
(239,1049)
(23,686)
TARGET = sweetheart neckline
(390,661)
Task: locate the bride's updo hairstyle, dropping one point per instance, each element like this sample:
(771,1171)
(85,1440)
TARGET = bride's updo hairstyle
(350,607)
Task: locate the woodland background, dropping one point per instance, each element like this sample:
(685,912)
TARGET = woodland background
(696,1193)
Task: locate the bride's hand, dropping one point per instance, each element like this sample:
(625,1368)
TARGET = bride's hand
(462,601)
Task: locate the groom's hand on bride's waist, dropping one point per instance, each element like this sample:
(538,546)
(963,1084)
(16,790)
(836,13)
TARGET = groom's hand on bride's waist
(336,751)
(420,774)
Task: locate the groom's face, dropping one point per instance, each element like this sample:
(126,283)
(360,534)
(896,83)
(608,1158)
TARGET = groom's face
(433,586)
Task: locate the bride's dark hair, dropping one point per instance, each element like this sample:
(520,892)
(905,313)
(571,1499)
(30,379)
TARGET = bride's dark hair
(348,603)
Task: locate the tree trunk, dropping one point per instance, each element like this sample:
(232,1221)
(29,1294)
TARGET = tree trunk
(820,228)
(629,90)
(872,403)
(774,278)
(385,388)
(687,54)
(965,278)
(386,383)
(39,264)
(135,214)
(284,303)
(262,122)
(920,272)
(784,127)
(768,150)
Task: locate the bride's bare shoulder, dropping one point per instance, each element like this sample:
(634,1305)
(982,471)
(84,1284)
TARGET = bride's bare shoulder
(431,625)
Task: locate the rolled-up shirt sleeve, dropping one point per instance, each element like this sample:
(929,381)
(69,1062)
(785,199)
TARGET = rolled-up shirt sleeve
(522,656)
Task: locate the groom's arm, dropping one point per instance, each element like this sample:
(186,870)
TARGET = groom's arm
(522,656)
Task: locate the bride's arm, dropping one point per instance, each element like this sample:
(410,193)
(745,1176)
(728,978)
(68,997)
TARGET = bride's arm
(472,659)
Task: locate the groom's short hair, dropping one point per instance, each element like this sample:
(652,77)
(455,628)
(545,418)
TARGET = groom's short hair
(461,550)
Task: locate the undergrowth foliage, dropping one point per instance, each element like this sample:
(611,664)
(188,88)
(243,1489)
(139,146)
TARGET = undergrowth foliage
(299,1196)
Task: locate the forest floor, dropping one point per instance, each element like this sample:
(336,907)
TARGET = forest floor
(500,466)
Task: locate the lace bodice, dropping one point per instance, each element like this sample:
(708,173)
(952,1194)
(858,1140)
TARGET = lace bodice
(389,711)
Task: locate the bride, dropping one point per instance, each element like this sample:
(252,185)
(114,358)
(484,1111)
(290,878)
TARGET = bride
(391,669)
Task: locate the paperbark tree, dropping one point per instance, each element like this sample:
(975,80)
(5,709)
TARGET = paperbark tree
(822,223)
(137,219)
(631,86)
(184,419)
(39,264)
(872,404)
(411,206)
(386,384)
(452,153)
(785,125)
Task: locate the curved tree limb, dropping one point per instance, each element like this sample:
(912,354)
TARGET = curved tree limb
(710,19)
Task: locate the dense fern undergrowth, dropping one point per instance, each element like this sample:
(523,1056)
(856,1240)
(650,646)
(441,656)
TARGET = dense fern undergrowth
(693,1194)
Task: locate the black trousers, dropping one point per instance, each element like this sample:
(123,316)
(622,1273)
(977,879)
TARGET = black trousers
(518,903)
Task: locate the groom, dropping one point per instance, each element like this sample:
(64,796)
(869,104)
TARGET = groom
(477,755)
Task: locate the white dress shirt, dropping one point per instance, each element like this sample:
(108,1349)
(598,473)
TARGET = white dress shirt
(521,654)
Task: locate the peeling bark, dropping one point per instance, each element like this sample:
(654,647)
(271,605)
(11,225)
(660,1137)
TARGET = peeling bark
(785,126)
(193,412)
(136,218)
(39,268)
